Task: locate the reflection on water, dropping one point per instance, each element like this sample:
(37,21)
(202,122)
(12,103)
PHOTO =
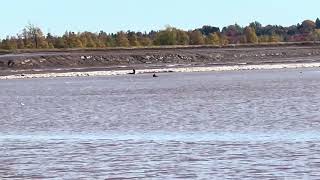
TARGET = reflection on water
(248,125)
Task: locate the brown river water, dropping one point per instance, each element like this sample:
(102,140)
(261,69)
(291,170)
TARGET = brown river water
(210,125)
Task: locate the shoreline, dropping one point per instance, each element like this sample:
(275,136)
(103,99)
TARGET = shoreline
(107,62)
(163,70)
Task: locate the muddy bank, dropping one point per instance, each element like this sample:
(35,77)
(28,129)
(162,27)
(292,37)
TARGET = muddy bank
(125,59)
(161,70)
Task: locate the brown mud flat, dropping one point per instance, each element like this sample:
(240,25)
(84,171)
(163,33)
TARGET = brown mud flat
(77,60)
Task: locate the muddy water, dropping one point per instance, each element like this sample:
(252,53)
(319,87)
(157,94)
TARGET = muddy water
(217,125)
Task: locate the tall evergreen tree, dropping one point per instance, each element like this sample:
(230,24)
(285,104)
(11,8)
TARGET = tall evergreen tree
(318,23)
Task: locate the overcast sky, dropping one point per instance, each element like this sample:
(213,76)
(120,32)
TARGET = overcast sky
(57,16)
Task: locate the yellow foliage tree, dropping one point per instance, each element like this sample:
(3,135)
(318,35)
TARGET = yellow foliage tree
(274,38)
(213,38)
(122,39)
(250,35)
(196,38)
(315,35)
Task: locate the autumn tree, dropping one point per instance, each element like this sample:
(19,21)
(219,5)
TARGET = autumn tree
(196,38)
(233,33)
(274,38)
(257,27)
(72,40)
(90,40)
(232,30)
(103,38)
(315,36)
(33,37)
(213,38)
(59,42)
(307,26)
(9,43)
(263,39)
(182,37)
(250,35)
(133,39)
(20,42)
(90,43)
(122,39)
(26,39)
(50,40)
(145,41)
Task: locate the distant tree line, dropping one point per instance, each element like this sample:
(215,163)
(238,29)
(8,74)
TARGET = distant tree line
(32,37)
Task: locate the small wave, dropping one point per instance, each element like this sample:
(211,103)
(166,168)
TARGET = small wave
(169,136)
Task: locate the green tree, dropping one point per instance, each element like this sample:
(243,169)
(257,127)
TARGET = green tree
(111,40)
(318,23)
(50,39)
(206,30)
(59,42)
(166,37)
(257,27)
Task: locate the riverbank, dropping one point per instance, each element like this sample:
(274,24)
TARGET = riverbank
(164,70)
(119,61)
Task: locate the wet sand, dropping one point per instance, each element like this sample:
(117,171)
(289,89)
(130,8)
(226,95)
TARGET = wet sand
(160,70)
(101,62)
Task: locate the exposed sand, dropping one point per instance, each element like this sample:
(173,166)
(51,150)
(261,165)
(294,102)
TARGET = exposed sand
(105,62)
(162,70)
